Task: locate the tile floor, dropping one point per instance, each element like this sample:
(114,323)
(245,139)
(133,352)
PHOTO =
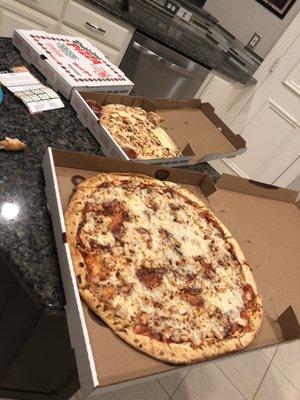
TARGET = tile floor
(261,375)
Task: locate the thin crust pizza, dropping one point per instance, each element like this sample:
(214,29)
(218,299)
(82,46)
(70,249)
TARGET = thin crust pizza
(138,132)
(160,268)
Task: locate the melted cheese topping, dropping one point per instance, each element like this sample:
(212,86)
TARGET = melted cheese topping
(184,284)
(135,130)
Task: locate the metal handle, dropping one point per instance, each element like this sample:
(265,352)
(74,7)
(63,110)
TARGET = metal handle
(95,27)
(163,61)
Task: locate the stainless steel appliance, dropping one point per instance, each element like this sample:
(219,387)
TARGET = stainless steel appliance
(159,72)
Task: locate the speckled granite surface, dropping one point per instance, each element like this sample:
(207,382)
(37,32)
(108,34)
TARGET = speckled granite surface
(26,241)
(177,35)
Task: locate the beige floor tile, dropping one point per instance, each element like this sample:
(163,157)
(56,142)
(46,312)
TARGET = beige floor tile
(275,386)
(206,382)
(142,391)
(245,371)
(287,359)
(171,382)
(270,351)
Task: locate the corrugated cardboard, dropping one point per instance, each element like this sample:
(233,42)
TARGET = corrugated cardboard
(209,137)
(265,221)
(192,125)
(70,62)
(108,144)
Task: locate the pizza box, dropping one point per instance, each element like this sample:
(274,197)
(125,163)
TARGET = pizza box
(70,63)
(264,219)
(192,125)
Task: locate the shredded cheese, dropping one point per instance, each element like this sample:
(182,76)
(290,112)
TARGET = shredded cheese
(166,233)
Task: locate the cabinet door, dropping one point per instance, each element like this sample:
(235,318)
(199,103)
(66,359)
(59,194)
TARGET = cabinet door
(220,92)
(37,360)
(52,7)
(15,15)
(94,23)
(109,52)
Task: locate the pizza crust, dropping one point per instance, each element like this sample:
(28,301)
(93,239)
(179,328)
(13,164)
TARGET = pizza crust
(169,352)
(256,320)
(78,199)
(181,353)
(186,193)
(135,132)
(237,250)
(72,221)
(96,180)
(249,277)
(80,271)
(175,353)
(93,181)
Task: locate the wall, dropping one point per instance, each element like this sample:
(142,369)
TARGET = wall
(244,17)
(295,184)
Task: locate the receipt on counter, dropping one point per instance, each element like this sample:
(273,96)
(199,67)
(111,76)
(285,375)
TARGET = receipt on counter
(36,96)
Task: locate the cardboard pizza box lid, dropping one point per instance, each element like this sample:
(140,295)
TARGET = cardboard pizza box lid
(264,220)
(207,133)
(70,62)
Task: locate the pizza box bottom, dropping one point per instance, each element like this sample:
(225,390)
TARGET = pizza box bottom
(264,219)
(192,125)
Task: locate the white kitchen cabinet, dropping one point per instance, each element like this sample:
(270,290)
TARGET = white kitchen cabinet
(270,121)
(220,91)
(78,18)
(16,15)
(51,7)
(103,27)
(109,52)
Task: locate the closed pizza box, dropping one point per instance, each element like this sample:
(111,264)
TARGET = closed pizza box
(70,63)
(192,125)
(264,219)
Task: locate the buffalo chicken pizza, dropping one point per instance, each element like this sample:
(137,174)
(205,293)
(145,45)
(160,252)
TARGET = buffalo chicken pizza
(160,269)
(136,131)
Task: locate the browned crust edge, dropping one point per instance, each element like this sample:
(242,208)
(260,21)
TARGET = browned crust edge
(173,353)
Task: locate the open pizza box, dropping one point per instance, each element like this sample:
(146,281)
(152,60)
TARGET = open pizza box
(69,63)
(264,219)
(192,125)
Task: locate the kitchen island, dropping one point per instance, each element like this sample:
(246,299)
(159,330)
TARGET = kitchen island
(37,360)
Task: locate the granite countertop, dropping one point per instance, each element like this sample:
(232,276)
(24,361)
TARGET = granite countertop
(177,35)
(27,241)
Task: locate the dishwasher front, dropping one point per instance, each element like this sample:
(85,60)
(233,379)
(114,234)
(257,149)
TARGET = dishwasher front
(159,72)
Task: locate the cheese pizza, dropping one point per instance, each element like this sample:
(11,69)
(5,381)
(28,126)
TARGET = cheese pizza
(160,268)
(136,131)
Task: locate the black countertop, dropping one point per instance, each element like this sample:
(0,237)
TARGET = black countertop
(177,35)
(26,241)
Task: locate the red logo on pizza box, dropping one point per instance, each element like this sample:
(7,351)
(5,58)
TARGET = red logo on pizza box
(86,53)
